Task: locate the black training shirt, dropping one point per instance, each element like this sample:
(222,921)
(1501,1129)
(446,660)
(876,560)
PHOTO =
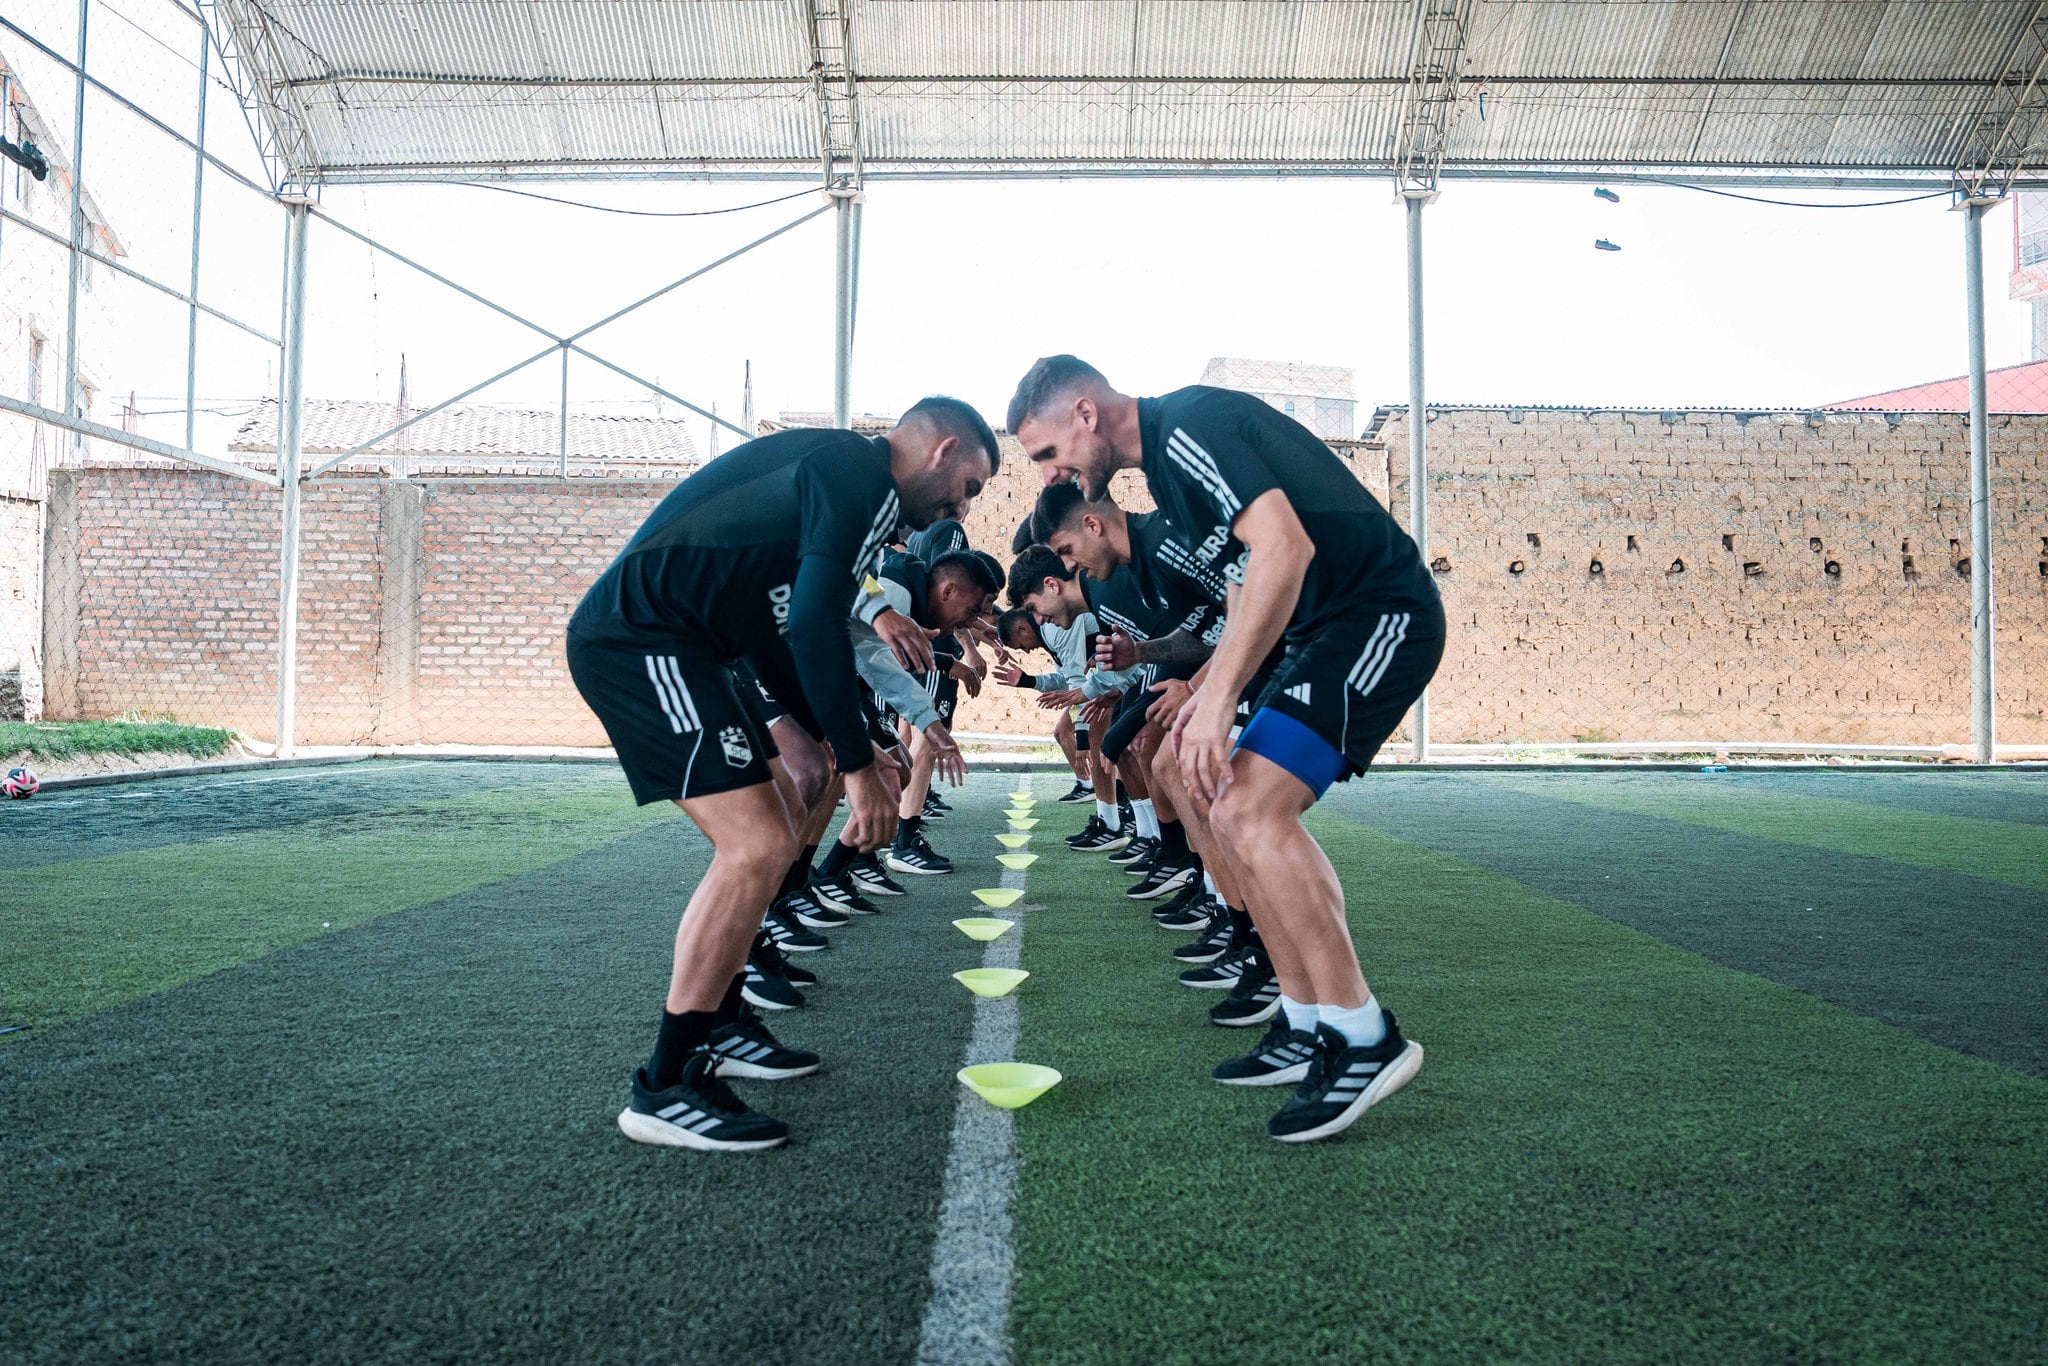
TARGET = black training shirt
(765,541)
(1209,453)
(943,537)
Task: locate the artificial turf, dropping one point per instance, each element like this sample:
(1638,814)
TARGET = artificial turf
(396,1141)
(1617,1150)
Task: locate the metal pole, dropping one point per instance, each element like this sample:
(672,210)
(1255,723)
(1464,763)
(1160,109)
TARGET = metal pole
(842,316)
(72,406)
(290,404)
(1983,711)
(192,289)
(565,412)
(1418,435)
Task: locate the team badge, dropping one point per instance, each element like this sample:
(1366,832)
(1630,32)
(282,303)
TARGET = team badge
(737,751)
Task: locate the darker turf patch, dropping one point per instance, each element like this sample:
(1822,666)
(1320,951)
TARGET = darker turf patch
(398,1142)
(70,739)
(1617,1150)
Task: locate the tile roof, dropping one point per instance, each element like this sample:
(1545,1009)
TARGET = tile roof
(479,438)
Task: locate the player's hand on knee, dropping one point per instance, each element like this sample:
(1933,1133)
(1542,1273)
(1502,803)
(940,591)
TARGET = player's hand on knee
(870,809)
(911,642)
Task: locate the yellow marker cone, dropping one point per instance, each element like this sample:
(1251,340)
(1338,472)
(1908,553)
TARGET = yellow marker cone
(1014,840)
(1023,822)
(991,982)
(982,928)
(1009,1084)
(1017,861)
(997,897)
(1023,803)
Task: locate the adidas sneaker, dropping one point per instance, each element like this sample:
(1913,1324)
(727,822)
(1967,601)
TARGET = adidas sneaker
(699,1111)
(745,1048)
(867,872)
(1343,1082)
(1281,1058)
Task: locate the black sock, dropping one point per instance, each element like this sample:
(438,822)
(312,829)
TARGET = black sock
(837,858)
(1241,930)
(681,1035)
(1173,840)
(906,831)
(794,880)
(730,1005)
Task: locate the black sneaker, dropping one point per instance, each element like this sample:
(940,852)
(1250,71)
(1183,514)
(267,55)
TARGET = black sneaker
(811,912)
(1197,916)
(765,989)
(773,964)
(1254,1000)
(699,1111)
(1104,840)
(1279,1059)
(1135,853)
(920,858)
(790,936)
(933,810)
(1222,974)
(1164,878)
(1121,838)
(867,872)
(840,894)
(1214,943)
(1187,896)
(1081,792)
(1344,1082)
(1087,832)
(745,1048)
(932,798)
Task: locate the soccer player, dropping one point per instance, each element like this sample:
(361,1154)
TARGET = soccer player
(757,557)
(1316,563)
(1046,587)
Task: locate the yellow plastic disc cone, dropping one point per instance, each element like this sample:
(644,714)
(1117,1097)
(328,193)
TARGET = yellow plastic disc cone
(1009,1084)
(1023,822)
(1017,861)
(997,897)
(991,981)
(1023,803)
(1014,840)
(981,927)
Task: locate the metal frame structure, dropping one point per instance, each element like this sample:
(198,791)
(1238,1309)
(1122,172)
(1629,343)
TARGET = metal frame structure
(1993,143)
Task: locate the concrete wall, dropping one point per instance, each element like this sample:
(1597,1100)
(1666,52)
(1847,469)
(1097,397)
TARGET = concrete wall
(433,610)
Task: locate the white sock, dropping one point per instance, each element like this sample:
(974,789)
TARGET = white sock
(1301,1015)
(1209,882)
(1107,813)
(1363,1026)
(1147,817)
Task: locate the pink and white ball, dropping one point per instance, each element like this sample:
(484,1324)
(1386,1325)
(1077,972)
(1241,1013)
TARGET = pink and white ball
(20,784)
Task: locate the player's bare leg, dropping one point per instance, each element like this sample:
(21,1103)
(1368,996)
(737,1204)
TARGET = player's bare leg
(752,843)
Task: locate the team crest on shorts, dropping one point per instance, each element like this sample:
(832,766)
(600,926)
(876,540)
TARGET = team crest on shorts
(738,752)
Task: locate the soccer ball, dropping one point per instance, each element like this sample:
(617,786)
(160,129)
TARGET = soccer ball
(20,783)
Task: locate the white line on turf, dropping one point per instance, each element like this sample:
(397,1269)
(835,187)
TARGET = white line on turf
(967,1318)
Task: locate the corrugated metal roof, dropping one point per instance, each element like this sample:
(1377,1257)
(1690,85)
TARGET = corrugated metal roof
(451,88)
(477,435)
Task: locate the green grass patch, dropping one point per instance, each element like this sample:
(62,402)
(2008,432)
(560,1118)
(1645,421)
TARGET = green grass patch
(74,739)
(2012,852)
(91,933)
(1617,1150)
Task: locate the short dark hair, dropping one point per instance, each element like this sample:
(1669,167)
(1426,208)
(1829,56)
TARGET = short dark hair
(954,418)
(1008,622)
(1063,504)
(1026,534)
(995,568)
(968,567)
(1033,568)
(1046,380)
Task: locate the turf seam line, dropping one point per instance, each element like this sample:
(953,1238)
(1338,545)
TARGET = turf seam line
(973,1273)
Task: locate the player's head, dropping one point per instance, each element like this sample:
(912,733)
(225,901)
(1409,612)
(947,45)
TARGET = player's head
(942,454)
(1057,414)
(959,588)
(1018,631)
(1026,534)
(1087,534)
(1043,584)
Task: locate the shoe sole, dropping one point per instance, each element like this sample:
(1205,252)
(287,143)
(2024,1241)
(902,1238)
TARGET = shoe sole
(823,922)
(1224,984)
(1392,1078)
(1266,1013)
(753,1071)
(1114,846)
(788,947)
(763,1002)
(1191,962)
(873,889)
(832,899)
(1286,1076)
(660,1133)
(896,867)
(1172,884)
(1190,927)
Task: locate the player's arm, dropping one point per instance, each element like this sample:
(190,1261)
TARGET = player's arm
(821,643)
(892,683)
(1173,649)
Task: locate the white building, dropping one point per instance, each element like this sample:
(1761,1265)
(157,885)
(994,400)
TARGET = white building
(1322,398)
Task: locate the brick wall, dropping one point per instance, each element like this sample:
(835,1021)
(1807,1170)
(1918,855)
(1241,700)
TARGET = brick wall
(166,586)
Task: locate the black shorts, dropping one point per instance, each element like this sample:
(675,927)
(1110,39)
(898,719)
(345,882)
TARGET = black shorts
(679,721)
(1127,720)
(1352,684)
(943,687)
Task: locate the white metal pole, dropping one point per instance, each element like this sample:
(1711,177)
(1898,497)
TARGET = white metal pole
(192,288)
(290,408)
(842,329)
(73,406)
(1983,708)
(1418,440)
(565,412)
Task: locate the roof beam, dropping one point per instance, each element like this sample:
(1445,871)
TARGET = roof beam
(829,25)
(2007,135)
(1436,64)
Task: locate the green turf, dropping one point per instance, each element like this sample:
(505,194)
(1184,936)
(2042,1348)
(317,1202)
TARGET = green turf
(397,1142)
(2004,851)
(1618,1150)
(71,739)
(90,933)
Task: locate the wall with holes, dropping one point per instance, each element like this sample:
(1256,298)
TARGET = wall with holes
(1717,575)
